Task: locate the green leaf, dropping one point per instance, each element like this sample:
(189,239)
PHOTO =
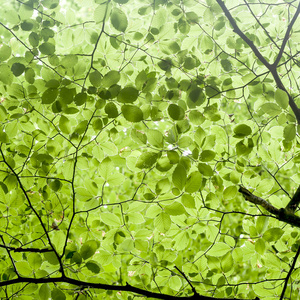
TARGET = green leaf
(35,260)
(47,48)
(196,97)
(260,246)
(162,222)
(206,44)
(146,160)
(69,61)
(242,130)
(128,95)
(261,224)
(4,137)
(6,75)
(111,78)
(93,266)
(89,248)
(176,112)
(138,136)
(205,169)
(183,26)
(289,132)
(49,96)
(163,164)
(173,157)
(132,113)
(29,76)
(155,138)
(282,98)
(207,155)
(230,192)
(57,294)
(81,127)
(34,39)
(111,110)
(100,12)
(192,17)
(80,99)
(106,167)
(182,241)
(219,249)
(17,69)
(5,52)
(50,4)
(71,110)
(95,78)
(179,177)
(227,263)
(273,234)
(110,219)
(271,109)
(194,182)
(118,19)
(188,201)
(175,209)
(45,291)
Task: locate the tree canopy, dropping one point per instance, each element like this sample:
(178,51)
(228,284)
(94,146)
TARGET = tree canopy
(149,148)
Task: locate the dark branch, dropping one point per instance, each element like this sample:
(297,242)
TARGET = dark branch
(188,281)
(281,214)
(293,204)
(286,37)
(271,67)
(237,30)
(127,288)
(289,274)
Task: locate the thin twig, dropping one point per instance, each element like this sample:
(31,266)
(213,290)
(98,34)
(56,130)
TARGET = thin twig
(289,273)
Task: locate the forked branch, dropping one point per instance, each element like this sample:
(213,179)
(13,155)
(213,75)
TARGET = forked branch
(271,67)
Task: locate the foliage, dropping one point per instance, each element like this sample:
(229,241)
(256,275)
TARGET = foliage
(127,127)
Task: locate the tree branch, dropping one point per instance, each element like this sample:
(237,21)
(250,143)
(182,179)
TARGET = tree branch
(289,273)
(293,204)
(271,67)
(127,288)
(237,30)
(286,37)
(281,214)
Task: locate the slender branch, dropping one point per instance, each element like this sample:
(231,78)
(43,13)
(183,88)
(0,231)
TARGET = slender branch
(271,67)
(286,37)
(32,208)
(11,259)
(289,274)
(188,281)
(237,30)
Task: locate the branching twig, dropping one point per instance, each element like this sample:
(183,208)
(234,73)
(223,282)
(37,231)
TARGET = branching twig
(271,67)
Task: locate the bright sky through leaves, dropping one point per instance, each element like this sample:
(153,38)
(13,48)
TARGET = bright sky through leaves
(149,149)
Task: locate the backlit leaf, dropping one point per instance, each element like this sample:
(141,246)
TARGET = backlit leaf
(132,113)
(47,48)
(119,20)
(179,177)
(282,98)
